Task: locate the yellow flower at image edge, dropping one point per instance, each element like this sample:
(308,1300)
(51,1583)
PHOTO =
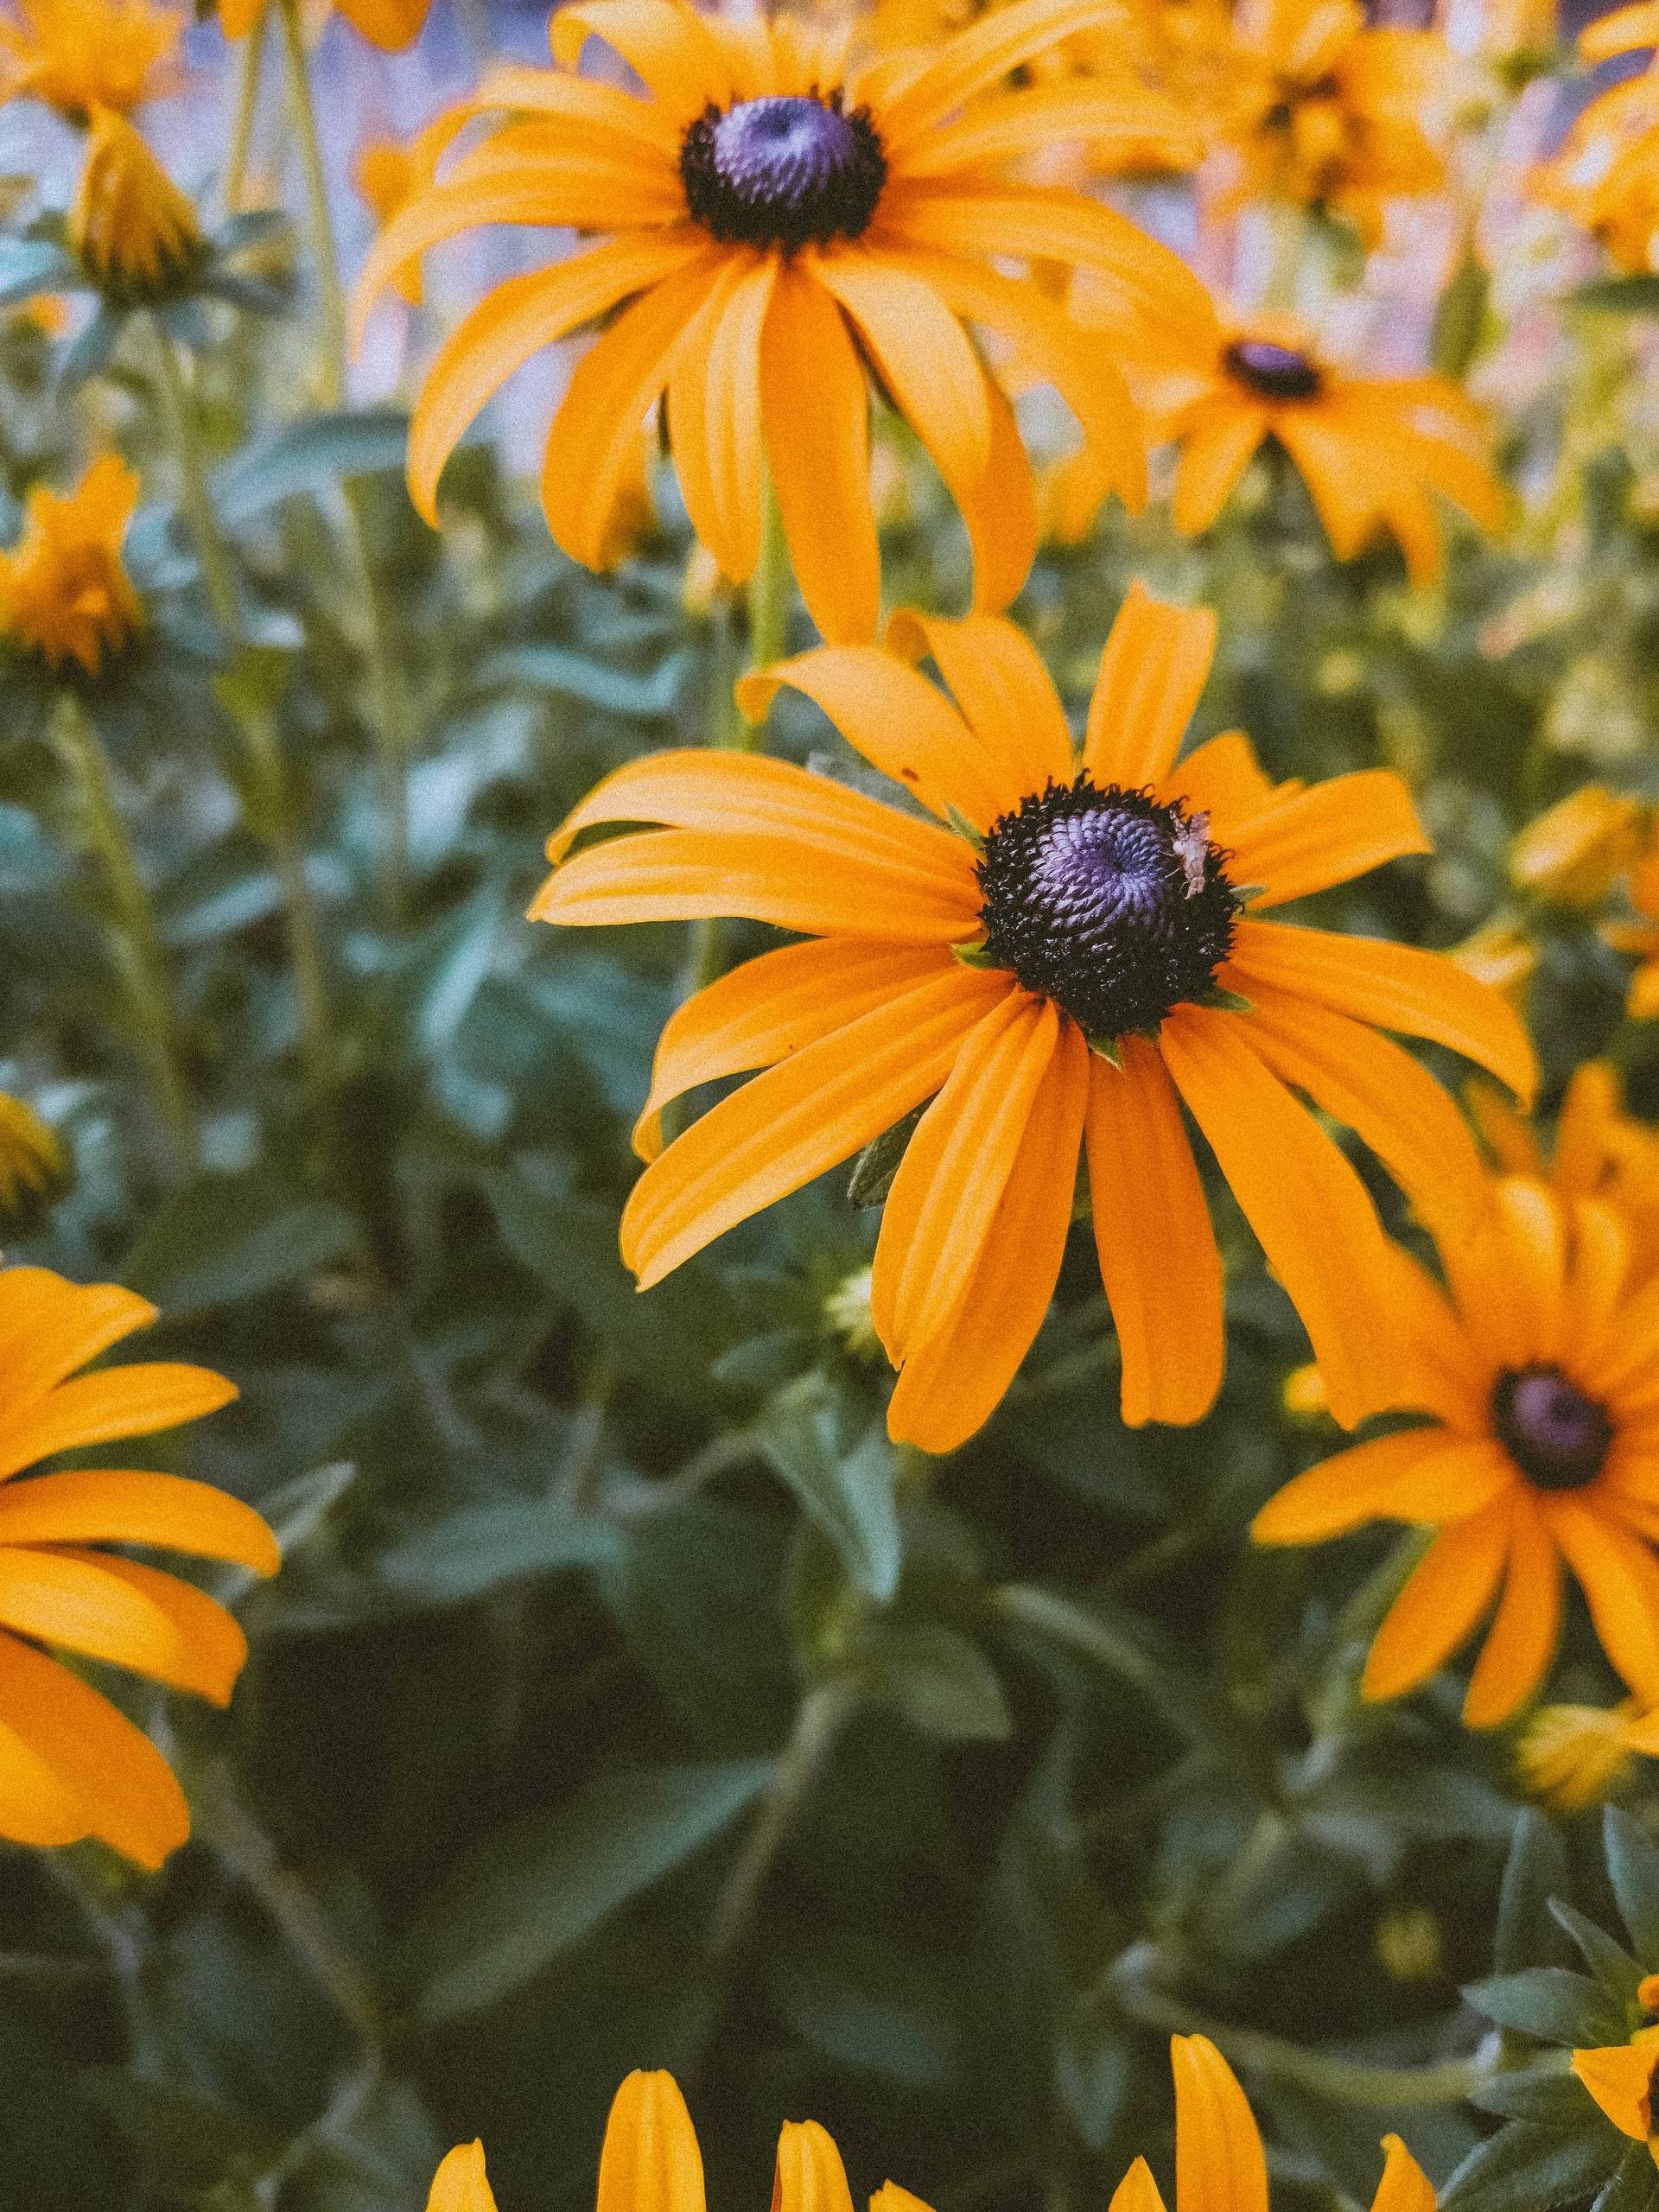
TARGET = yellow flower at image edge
(389,25)
(1573,851)
(71,1765)
(773,217)
(1620,2077)
(1540,1369)
(64,593)
(1097,900)
(1575,1756)
(130,226)
(77,55)
(31,1158)
(1220,2165)
(1641,937)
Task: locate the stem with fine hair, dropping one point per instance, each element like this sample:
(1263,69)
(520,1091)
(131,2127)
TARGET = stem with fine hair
(248,79)
(331,296)
(818,1723)
(178,408)
(138,939)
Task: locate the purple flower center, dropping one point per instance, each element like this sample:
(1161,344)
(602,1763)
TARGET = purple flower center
(1273,371)
(1112,904)
(784,171)
(1557,1436)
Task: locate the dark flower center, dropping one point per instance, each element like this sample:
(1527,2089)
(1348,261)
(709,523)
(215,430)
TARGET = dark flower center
(1273,371)
(783,171)
(1110,903)
(1557,1437)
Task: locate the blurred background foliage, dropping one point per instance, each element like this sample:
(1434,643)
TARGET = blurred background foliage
(626,1697)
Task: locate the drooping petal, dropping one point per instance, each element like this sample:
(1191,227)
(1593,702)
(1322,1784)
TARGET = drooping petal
(1310,1210)
(1220,2165)
(953,1382)
(1527,1626)
(1155,664)
(83,1601)
(461,2184)
(922,354)
(945,1197)
(650,2162)
(796,1121)
(1324,835)
(1394,986)
(50,1327)
(1000,511)
(1507,1280)
(95,1506)
(1620,1576)
(112,1402)
(763,1011)
(713,417)
(1137,2191)
(981,56)
(1112,120)
(1218,447)
(1003,691)
(36,1805)
(1420,1476)
(1157,1249)
(1449,1590)
(815,409)
(674,49)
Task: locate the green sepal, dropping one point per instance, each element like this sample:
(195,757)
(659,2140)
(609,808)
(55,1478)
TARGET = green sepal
(974,955)
(1107,1048)
(964,827)
(1226,1002)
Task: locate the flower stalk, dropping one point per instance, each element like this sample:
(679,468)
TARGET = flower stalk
(249,81)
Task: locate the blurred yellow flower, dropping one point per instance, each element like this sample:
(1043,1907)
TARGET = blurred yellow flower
(31,1158)
(1620,2079)
(130,226)
(1575,1756)
(1573,851)
(1501,954)
(389,173)
(1641,937)
(71,1765)
(1606,173)
(77,55)
(64,592)
(390,24)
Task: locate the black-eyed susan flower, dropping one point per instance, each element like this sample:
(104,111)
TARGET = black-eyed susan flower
(1538,1366)
(77,55)
(65,595)
(131,229)
(1220,2164)
(31,1158)
(1375,453)
(1641,937)
(1575,850)
(1620,2078)
(390,24)
(71,1765)
(777,224)
(1058,970)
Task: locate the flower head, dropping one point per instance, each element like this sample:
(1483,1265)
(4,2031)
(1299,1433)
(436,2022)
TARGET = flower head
(390,24)
(1219,2160)
(79,55)
(1606,173)
(31,1158)
(1538,1366)
(1374,452)
(1575,1756)
(132,228)
(1574,851)
(1064,976)
(64,593)
(777,224)
(71,1765)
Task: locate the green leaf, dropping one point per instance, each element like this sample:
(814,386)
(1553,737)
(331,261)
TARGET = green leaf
(189,2139)
(467,1553)
(309,455)
(1633,1869)
(1460,317)
(1526,2169)
(535,1889)
(58,2151)
(1634,2187)
(848,1493)
(1613,1968)
(1548,2095)
(1535,1871)
(226,1238)
(31,266)
(592,682)
(1092,2065)
(939,1681)
(876,1165)
(1637,295)
(1550,2004)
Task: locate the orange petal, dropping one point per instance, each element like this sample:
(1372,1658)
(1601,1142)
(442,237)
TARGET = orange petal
(36,1805)
(1220,2165)
(1310,1212)
(713,417)
(461,2184)
(1449,1590)
(921,353)
(1620,2079)
(132,1798)
(109,1609)
(1324,835)
(1155,665)
(1004,693)
(981,56)
(1422,1475)
(795,1122)
(1404,2186)
(674,49)
(1137,2191)
(1222,779)
(390,24)
(113,1401)
(91,1506)
(651,2162)
(50,1327)
(953,1382)
(945,1197)
(815,409)
(1215,454)
(1394,986)
(1000,511)
(1527,1626)
(1157,1249)
(1620,1580)
(808,2177)
(1507,1280)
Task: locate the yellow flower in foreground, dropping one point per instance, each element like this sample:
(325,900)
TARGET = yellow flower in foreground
(1641,937)
(64,593)
(1220,2165)
(70,1764)
(77,55)
(1620,2079)
(31,1158)
(130,226)
(1574,851)
(778,224)
(390,24)
(1098,900)
(1540,1369)
(1575,1756)
(1371,451)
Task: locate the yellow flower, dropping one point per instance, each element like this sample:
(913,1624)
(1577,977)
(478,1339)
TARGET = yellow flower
(977,971)
(1502,953)
(31,1158)
(1575,1756)
(1641,937)
(778,224)
(1620,2079)
(388,174)
(77,55)
(1371,449)
(390,24)
(1606,174)
(1575,850)
(1220,2165)
(1539,1368)
(130,226)
(70,1764)
(1600,1152)
(64,593)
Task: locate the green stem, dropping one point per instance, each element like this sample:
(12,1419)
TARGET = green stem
(250,73)
(768,605)
(183,430)
(331,297)
(1287,230)
(137,941)
(818,1723)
